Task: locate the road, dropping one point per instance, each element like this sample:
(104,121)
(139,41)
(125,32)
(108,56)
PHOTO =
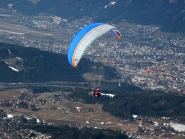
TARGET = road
(18,29)
(47,84)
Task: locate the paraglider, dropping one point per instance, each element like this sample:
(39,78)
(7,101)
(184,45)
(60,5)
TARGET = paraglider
(83,39)
(96,92)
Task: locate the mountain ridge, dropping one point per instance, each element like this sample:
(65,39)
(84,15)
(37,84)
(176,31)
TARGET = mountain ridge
(168,14)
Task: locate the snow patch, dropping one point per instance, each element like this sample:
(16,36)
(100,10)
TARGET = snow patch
(134,116)
(110,95)
(10,5)
(111,3)
(179,127)
(28,118)
(13,68)
(9,115)
(78,108)
(38,121)
(19,58)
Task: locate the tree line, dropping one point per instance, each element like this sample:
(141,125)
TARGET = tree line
(145,103)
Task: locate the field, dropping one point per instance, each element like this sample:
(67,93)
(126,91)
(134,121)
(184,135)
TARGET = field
(68,112)
(10,94)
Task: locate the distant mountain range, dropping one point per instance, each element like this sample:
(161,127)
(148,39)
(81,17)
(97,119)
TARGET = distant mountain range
(22,64)
(169,14)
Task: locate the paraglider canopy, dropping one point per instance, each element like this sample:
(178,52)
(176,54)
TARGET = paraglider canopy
(85,37)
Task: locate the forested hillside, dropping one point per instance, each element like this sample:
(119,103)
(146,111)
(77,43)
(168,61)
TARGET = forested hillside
(66,132)
(140,102)
(40,66)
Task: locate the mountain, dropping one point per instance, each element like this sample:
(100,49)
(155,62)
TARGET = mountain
(25,64)
(169,14)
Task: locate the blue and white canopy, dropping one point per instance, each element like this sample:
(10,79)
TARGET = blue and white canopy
(85,37)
